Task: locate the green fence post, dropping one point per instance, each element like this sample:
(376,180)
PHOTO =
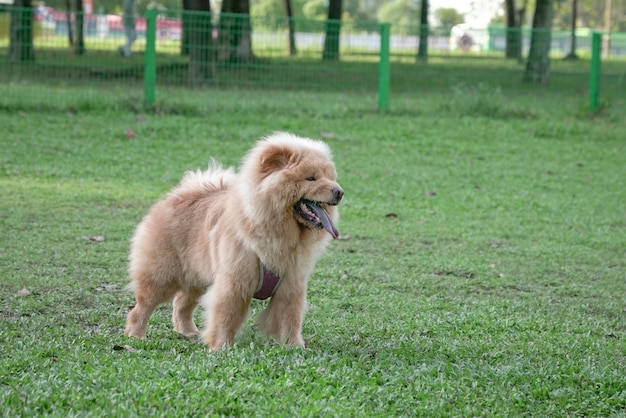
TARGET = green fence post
(149,73)
(384,67)
(594,73)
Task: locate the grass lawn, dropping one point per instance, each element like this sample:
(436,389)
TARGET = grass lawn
(481,271)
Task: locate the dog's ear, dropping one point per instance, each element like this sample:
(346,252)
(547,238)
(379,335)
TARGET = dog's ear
(275,158)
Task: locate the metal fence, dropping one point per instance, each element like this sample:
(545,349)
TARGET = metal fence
(261,59)
(202,50)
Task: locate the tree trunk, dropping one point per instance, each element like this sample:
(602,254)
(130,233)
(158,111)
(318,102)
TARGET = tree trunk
(333,29)
(198,40)
(514,21)
(422,51)
(291,29)
(21,47)
(235,31)
(184,47)
(572,53)
(68,22)
(79,45)
(538,64)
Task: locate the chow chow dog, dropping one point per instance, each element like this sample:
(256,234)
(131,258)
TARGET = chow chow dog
(222,237)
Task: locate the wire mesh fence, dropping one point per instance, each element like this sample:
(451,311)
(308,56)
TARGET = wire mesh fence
(201,50)
(195,48)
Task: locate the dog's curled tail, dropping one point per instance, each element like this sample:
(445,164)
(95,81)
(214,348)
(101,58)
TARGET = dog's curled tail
(214,178)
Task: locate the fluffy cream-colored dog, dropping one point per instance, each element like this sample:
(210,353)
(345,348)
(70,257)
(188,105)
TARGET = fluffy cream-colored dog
(234,236)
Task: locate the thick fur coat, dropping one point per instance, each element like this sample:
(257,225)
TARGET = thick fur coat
(207,240)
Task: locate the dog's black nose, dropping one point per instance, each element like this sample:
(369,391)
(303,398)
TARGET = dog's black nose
(338,193)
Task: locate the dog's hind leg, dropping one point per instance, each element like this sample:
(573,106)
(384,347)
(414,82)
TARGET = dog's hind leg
(137,319)
(185,304)
(148,296)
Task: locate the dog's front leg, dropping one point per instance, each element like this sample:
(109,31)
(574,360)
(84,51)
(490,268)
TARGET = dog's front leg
(225,311)
(282,319)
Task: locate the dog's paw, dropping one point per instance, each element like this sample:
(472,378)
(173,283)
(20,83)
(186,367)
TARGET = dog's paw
(132,334)
(296,341)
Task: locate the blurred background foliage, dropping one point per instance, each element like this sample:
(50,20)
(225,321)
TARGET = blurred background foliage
(591,13)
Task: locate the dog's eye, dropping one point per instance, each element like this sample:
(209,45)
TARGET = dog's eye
(310,178)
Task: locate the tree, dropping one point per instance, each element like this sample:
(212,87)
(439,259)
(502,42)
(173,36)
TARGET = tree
(538,64)
(400,13)
(359,10)
(267,7)
(235,32)
(68,21)
(448,17)
(422,51)
(333,29)
(572,54)
(291,29)
(591,14)
(514,20)
(315,9)
(79,45)
(21,47)
(197,39)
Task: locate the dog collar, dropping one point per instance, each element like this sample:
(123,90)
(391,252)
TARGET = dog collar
(268,283)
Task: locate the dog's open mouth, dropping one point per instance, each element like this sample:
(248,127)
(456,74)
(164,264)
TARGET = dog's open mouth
(315,215)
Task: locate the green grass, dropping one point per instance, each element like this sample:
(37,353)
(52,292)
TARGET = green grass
(482,271)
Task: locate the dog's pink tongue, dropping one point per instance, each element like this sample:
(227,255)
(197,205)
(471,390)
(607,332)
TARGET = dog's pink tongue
(326,221)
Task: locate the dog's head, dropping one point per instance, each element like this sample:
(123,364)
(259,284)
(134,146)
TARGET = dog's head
(298,174)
